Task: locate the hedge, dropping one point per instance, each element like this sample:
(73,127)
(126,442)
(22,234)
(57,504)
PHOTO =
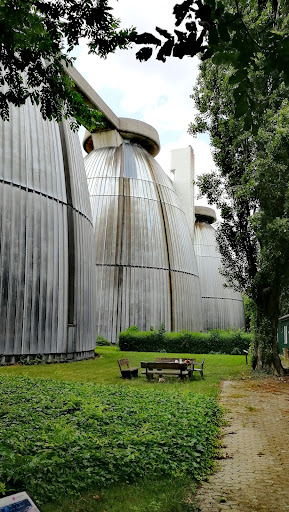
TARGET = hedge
(224,342)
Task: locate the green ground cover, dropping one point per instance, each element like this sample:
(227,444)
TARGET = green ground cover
(106,444)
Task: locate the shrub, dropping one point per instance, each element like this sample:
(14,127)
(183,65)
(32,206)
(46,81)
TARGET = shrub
(60,438)
(215,341)
(29,361)
(101,341)
(236,352)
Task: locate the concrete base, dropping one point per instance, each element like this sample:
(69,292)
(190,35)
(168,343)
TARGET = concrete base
(46,358)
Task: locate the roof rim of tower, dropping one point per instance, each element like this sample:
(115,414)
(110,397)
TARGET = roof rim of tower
(205,214)
(136,131)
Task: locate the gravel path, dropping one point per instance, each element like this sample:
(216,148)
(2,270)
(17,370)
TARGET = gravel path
(253,471)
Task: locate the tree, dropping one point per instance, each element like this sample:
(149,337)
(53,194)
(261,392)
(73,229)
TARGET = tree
(219,29)
(251,190)
(242,101)
(36,38)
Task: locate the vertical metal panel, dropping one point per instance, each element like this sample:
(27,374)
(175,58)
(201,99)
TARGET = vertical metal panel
(79,195)
(141,240)
(32,298)
(222,306)
(34,240)
(30,152)
(85,289)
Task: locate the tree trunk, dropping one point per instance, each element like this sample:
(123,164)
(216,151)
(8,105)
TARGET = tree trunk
(266,356)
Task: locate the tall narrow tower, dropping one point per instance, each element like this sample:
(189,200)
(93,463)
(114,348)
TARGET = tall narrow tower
(182,168)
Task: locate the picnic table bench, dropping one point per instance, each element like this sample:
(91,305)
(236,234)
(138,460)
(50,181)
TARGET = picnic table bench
(126,371)
(161,368)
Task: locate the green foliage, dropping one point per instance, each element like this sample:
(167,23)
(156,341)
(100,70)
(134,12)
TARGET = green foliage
(250,185)
(284,301)
(36,39)
(236,351)
(185,341)
(155,338)
(250,313)
(60,439)
(38,359)
(133,328)
(101,341)
(232,33)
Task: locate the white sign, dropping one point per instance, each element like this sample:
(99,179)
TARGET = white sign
(19,502)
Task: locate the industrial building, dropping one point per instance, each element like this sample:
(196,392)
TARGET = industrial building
(146,270)
(222,307)
(47,278)
(70,270)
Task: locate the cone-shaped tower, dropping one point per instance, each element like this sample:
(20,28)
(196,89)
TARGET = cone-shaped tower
(222,307)
(145,264)
(46,272)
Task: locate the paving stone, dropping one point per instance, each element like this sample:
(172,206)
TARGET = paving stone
(256,477)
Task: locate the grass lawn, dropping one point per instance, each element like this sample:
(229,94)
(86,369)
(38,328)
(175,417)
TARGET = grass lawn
(105,370)
(149,442)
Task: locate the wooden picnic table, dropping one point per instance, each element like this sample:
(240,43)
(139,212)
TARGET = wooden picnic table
(192,363)
(172,366)
(161,368)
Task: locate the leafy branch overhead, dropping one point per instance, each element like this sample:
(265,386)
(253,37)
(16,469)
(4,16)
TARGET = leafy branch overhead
(250,183)
(36,38)
(219,29)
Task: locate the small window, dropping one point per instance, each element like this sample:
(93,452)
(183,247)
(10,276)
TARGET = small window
(285,334)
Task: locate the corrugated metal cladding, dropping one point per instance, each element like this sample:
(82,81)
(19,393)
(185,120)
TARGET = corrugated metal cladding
(143,251)
(222,307)
(47,275)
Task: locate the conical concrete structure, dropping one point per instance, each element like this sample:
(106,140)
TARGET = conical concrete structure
(146,271)
(222,307)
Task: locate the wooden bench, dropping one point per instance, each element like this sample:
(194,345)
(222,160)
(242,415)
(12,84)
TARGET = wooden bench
(127,372)
(152,368)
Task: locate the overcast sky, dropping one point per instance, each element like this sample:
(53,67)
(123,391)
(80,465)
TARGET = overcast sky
(155,92)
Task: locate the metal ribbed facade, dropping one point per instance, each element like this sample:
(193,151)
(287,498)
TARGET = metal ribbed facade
(47,286)
(145,271)
(222,307)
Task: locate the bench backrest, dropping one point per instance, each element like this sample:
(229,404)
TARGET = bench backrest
(154,365)
(199,364)
(173,359)
(123,362)
(166,359)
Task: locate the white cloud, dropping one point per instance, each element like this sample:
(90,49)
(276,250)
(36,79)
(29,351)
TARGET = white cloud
(155,92)
(137,89)
(134,89)
(145,16)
